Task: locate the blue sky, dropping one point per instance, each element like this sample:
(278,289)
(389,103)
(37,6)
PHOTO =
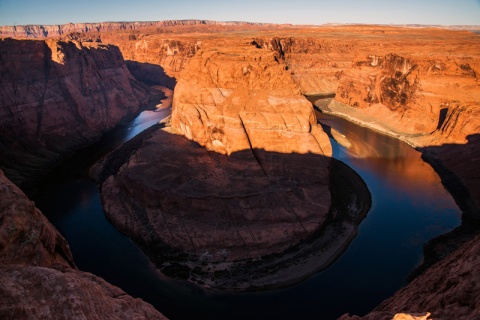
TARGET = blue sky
(20,12)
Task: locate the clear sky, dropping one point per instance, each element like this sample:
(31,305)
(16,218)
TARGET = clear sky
(20,12)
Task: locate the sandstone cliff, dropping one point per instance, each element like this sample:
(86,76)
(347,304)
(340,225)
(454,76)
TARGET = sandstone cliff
(38,279)
(58,96)
(248,202)
(416,95)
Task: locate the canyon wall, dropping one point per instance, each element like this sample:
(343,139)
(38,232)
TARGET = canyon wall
(416,95)
(38,278)
(56,97)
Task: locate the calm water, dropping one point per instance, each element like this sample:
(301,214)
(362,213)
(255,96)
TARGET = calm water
(409,207)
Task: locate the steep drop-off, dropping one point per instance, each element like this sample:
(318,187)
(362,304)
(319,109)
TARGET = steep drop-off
(56,97)
(249,204)
(38,279)
(448,290)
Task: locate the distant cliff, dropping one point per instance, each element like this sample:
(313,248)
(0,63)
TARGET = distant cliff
(50,31)
(58,96)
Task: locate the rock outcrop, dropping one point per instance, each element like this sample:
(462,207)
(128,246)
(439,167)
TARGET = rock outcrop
(239,98)
(314,64)
(56,97)
(248,202)
(38,278)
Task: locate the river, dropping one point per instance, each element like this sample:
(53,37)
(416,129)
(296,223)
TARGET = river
(409,207)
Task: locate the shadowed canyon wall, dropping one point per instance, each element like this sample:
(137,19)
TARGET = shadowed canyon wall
(56,97)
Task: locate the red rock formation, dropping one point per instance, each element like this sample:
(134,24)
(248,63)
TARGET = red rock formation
(56,97)
(239,98)
(62,293)
(415,95)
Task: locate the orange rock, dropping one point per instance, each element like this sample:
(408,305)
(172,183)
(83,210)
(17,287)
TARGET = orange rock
(238,98)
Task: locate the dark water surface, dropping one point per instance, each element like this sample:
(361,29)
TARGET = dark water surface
(409,207)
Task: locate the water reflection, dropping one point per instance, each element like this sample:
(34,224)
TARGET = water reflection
(400,167)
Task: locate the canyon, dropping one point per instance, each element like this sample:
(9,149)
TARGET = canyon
(239,119)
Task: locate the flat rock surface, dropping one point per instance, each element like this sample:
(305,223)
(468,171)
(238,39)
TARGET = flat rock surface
(217,219)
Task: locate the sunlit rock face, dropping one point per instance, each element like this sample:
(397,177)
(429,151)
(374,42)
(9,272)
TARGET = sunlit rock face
(238,98)
(57,96)
(246,202)
(414,95)
(314,63)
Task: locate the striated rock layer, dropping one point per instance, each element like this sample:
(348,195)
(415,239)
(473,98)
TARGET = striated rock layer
(247,203)
(56,97)
(38,279)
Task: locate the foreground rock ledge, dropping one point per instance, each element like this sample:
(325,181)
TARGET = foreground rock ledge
(38,279)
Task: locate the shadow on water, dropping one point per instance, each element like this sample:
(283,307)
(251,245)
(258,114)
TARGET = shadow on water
(409,207)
